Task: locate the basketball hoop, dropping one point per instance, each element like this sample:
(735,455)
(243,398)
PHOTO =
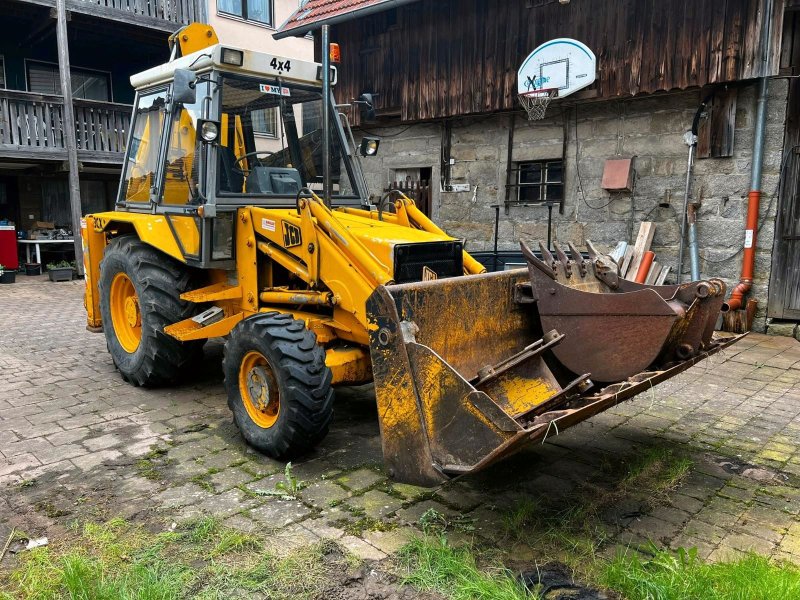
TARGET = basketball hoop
(536,102)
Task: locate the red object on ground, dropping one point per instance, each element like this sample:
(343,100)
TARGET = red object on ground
(8,247)
(644,266)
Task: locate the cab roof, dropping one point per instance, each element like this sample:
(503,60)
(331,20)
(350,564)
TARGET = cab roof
(252,63)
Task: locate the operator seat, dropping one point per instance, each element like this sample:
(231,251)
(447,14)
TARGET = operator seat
(231,178)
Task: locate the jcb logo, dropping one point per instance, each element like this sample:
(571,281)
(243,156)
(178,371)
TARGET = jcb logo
(291,235)
(429,274)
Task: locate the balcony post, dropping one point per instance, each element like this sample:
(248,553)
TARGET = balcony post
(69,131)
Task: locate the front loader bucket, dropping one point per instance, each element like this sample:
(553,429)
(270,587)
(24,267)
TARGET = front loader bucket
(463,375)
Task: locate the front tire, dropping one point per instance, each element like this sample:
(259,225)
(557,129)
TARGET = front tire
(140,292)
(278,385)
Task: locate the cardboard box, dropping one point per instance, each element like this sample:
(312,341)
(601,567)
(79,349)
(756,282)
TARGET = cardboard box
(43,225)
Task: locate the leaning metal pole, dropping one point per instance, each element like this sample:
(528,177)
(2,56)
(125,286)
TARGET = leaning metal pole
(691,140)
(326,114)
(69,132)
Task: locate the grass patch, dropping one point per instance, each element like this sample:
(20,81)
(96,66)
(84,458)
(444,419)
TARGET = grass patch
(433,565)
(682,576)
(570,530)
(204,559)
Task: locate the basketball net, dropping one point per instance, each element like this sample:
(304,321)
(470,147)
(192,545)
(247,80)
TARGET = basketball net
(536,102)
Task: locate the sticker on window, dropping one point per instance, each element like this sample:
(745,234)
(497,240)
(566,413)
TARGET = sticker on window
(268,224)
(275,90)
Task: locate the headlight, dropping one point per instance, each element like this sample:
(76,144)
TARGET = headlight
(209,131)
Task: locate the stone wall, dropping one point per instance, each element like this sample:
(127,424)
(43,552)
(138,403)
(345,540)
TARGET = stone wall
(649,128)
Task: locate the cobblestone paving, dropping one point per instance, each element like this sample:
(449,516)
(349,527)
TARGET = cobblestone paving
(77,442)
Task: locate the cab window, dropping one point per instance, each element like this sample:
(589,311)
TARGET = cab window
(141,163)
(271,141)
(183,153)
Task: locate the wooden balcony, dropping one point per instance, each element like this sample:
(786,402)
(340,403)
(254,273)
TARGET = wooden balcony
(32,127)
(163,15)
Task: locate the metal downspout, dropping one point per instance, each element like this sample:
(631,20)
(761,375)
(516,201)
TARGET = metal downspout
(736,301)
(688,219)
(327,107)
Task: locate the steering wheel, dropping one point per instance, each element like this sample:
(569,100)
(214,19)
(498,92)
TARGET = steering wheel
(249,155)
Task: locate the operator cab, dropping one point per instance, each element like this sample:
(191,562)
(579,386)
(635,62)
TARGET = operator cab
(223,128)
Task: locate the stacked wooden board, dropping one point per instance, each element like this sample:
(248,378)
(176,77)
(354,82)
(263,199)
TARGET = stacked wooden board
(629,258)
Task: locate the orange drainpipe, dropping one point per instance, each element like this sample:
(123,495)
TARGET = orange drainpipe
(644,267)
(736,301)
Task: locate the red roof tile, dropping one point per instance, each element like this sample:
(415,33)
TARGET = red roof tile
(314,13)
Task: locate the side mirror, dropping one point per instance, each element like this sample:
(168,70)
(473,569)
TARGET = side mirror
(184,88)
(366,103)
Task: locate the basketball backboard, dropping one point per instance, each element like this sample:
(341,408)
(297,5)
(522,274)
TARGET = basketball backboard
(562,64)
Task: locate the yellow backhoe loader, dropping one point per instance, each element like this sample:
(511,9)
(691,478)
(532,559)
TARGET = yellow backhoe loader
(243,213)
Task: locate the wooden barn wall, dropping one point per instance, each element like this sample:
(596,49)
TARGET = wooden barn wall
(439,58)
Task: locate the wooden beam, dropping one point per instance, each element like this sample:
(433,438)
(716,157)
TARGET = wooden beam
(652,275)
(69,131)
(646,232)
(662,277)
(32,153)
(626,262)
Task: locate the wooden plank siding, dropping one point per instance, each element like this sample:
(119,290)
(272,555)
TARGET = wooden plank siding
(442,58)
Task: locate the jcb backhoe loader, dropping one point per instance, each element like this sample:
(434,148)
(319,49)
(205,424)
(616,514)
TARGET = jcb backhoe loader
(240,215)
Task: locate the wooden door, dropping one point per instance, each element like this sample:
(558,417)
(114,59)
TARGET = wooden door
(784,287)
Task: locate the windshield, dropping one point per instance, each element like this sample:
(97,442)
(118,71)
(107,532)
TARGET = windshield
(271,141)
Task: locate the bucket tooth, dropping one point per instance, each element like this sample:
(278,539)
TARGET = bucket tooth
(546,255)
(544,267)
(578,258)
(563,259)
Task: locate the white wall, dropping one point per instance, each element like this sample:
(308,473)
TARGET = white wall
(256,36)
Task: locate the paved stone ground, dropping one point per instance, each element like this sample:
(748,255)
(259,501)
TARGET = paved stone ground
(77,442)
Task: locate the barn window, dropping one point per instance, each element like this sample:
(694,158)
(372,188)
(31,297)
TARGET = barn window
(540,181)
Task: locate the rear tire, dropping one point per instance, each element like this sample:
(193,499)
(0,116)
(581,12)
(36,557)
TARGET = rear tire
(140,290)
(278,385)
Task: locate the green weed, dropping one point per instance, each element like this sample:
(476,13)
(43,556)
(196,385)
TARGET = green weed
(682,575)
(433,565)
(288,489)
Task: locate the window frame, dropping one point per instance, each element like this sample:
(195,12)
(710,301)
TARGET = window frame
(267,135)
(72,68)
(244,17)
(544,165)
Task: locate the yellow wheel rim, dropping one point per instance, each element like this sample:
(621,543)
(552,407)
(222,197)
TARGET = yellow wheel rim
(125,314)
(259,390)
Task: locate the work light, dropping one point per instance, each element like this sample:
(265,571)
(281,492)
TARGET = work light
(369,146)
(232,57)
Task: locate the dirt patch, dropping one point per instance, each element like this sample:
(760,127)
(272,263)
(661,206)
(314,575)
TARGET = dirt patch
(554,581)
(370,581)
(747,470)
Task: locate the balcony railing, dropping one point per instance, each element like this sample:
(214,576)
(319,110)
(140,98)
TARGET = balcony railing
(34,123)
(180,12)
